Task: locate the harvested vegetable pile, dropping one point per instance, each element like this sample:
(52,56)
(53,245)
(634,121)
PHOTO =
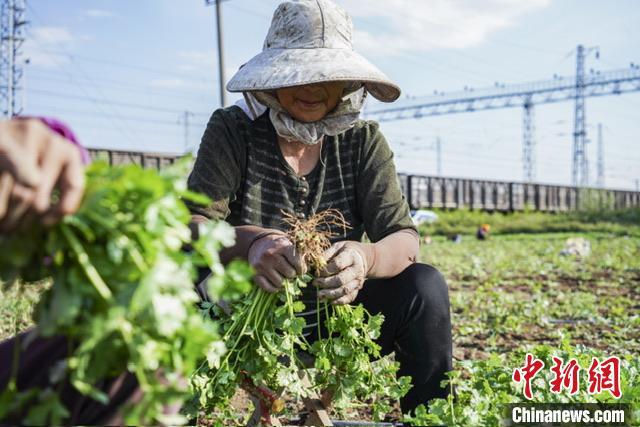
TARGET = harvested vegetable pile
(123,290)
(264,336)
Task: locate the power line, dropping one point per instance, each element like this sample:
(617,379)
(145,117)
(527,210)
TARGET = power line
(122,130)
(146,131)
(117,116)
(75,57)
(526,95)
(106,101)
(234,5)
(111,84)
(472,153)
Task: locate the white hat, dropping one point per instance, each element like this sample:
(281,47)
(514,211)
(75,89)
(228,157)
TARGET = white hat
(309,41)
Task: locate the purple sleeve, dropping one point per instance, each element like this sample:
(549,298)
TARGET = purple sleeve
(64,131)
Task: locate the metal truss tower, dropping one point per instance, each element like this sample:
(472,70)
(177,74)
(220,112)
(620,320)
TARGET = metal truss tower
(528,142)
(13,23)
(560,89)
(580,167)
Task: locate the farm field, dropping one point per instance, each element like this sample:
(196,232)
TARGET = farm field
(518,290)
(516,293)
(511,294)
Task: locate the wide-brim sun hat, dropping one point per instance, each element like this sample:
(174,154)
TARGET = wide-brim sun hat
(310,41)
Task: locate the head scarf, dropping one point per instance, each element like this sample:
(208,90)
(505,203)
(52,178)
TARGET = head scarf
(340,119)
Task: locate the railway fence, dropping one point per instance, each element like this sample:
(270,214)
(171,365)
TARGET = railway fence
(423,191)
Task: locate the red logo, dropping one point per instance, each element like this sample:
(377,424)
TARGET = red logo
(605,376)
(527,373)
(565,377)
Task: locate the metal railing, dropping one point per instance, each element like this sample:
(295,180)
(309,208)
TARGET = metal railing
(451,193)
(456,193)
(146,160)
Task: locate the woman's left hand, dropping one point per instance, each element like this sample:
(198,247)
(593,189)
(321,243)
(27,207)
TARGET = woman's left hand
(345,273)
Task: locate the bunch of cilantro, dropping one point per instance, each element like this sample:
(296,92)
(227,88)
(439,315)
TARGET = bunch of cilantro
(123,291)
(263,336)
(266,348)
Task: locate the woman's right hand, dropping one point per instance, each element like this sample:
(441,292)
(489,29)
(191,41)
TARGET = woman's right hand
(274,259)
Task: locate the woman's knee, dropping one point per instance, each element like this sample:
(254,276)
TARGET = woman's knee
(428,284)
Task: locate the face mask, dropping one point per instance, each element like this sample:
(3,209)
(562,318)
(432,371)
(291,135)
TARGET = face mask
(340,119)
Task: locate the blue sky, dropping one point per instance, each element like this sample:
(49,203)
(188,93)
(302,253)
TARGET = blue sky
(123,73)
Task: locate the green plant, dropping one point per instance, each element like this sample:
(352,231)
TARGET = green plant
(594,219)
(122,291)
(483,388)
(264,337)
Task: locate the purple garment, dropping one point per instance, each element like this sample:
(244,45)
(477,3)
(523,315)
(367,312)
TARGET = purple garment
(64,131)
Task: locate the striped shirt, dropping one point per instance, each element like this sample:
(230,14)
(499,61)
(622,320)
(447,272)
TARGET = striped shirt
(241,168)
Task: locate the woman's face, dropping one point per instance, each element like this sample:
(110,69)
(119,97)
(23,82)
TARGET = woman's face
(310,103)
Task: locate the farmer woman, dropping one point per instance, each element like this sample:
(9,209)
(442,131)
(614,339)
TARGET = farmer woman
(296,144)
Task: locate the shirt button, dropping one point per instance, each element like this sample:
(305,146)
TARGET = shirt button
(303,179)
(301,215)
(302,202)
(303,190)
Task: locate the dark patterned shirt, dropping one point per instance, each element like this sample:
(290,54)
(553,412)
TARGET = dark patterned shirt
(241,168)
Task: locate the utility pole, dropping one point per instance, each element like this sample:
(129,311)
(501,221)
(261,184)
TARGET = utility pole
(580,165)
(600,157)
(185,122)
(528,142)
(439,155)
(12,23)
(221,78)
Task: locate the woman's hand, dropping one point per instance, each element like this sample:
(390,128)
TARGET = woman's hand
(274,258)
(33,161)
(344,275)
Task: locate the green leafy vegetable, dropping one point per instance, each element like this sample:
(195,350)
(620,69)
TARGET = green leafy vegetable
(123,290)
(263,333)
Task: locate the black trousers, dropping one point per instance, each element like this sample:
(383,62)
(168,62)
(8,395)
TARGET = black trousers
(417,326)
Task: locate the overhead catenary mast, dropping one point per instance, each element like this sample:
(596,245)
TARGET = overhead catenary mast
(439,155)
(600,157)
(580,167)
(184,120)
(12,29)
(560,89)
(528,141)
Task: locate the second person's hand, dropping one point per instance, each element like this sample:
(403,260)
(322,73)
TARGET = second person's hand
(33,162)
